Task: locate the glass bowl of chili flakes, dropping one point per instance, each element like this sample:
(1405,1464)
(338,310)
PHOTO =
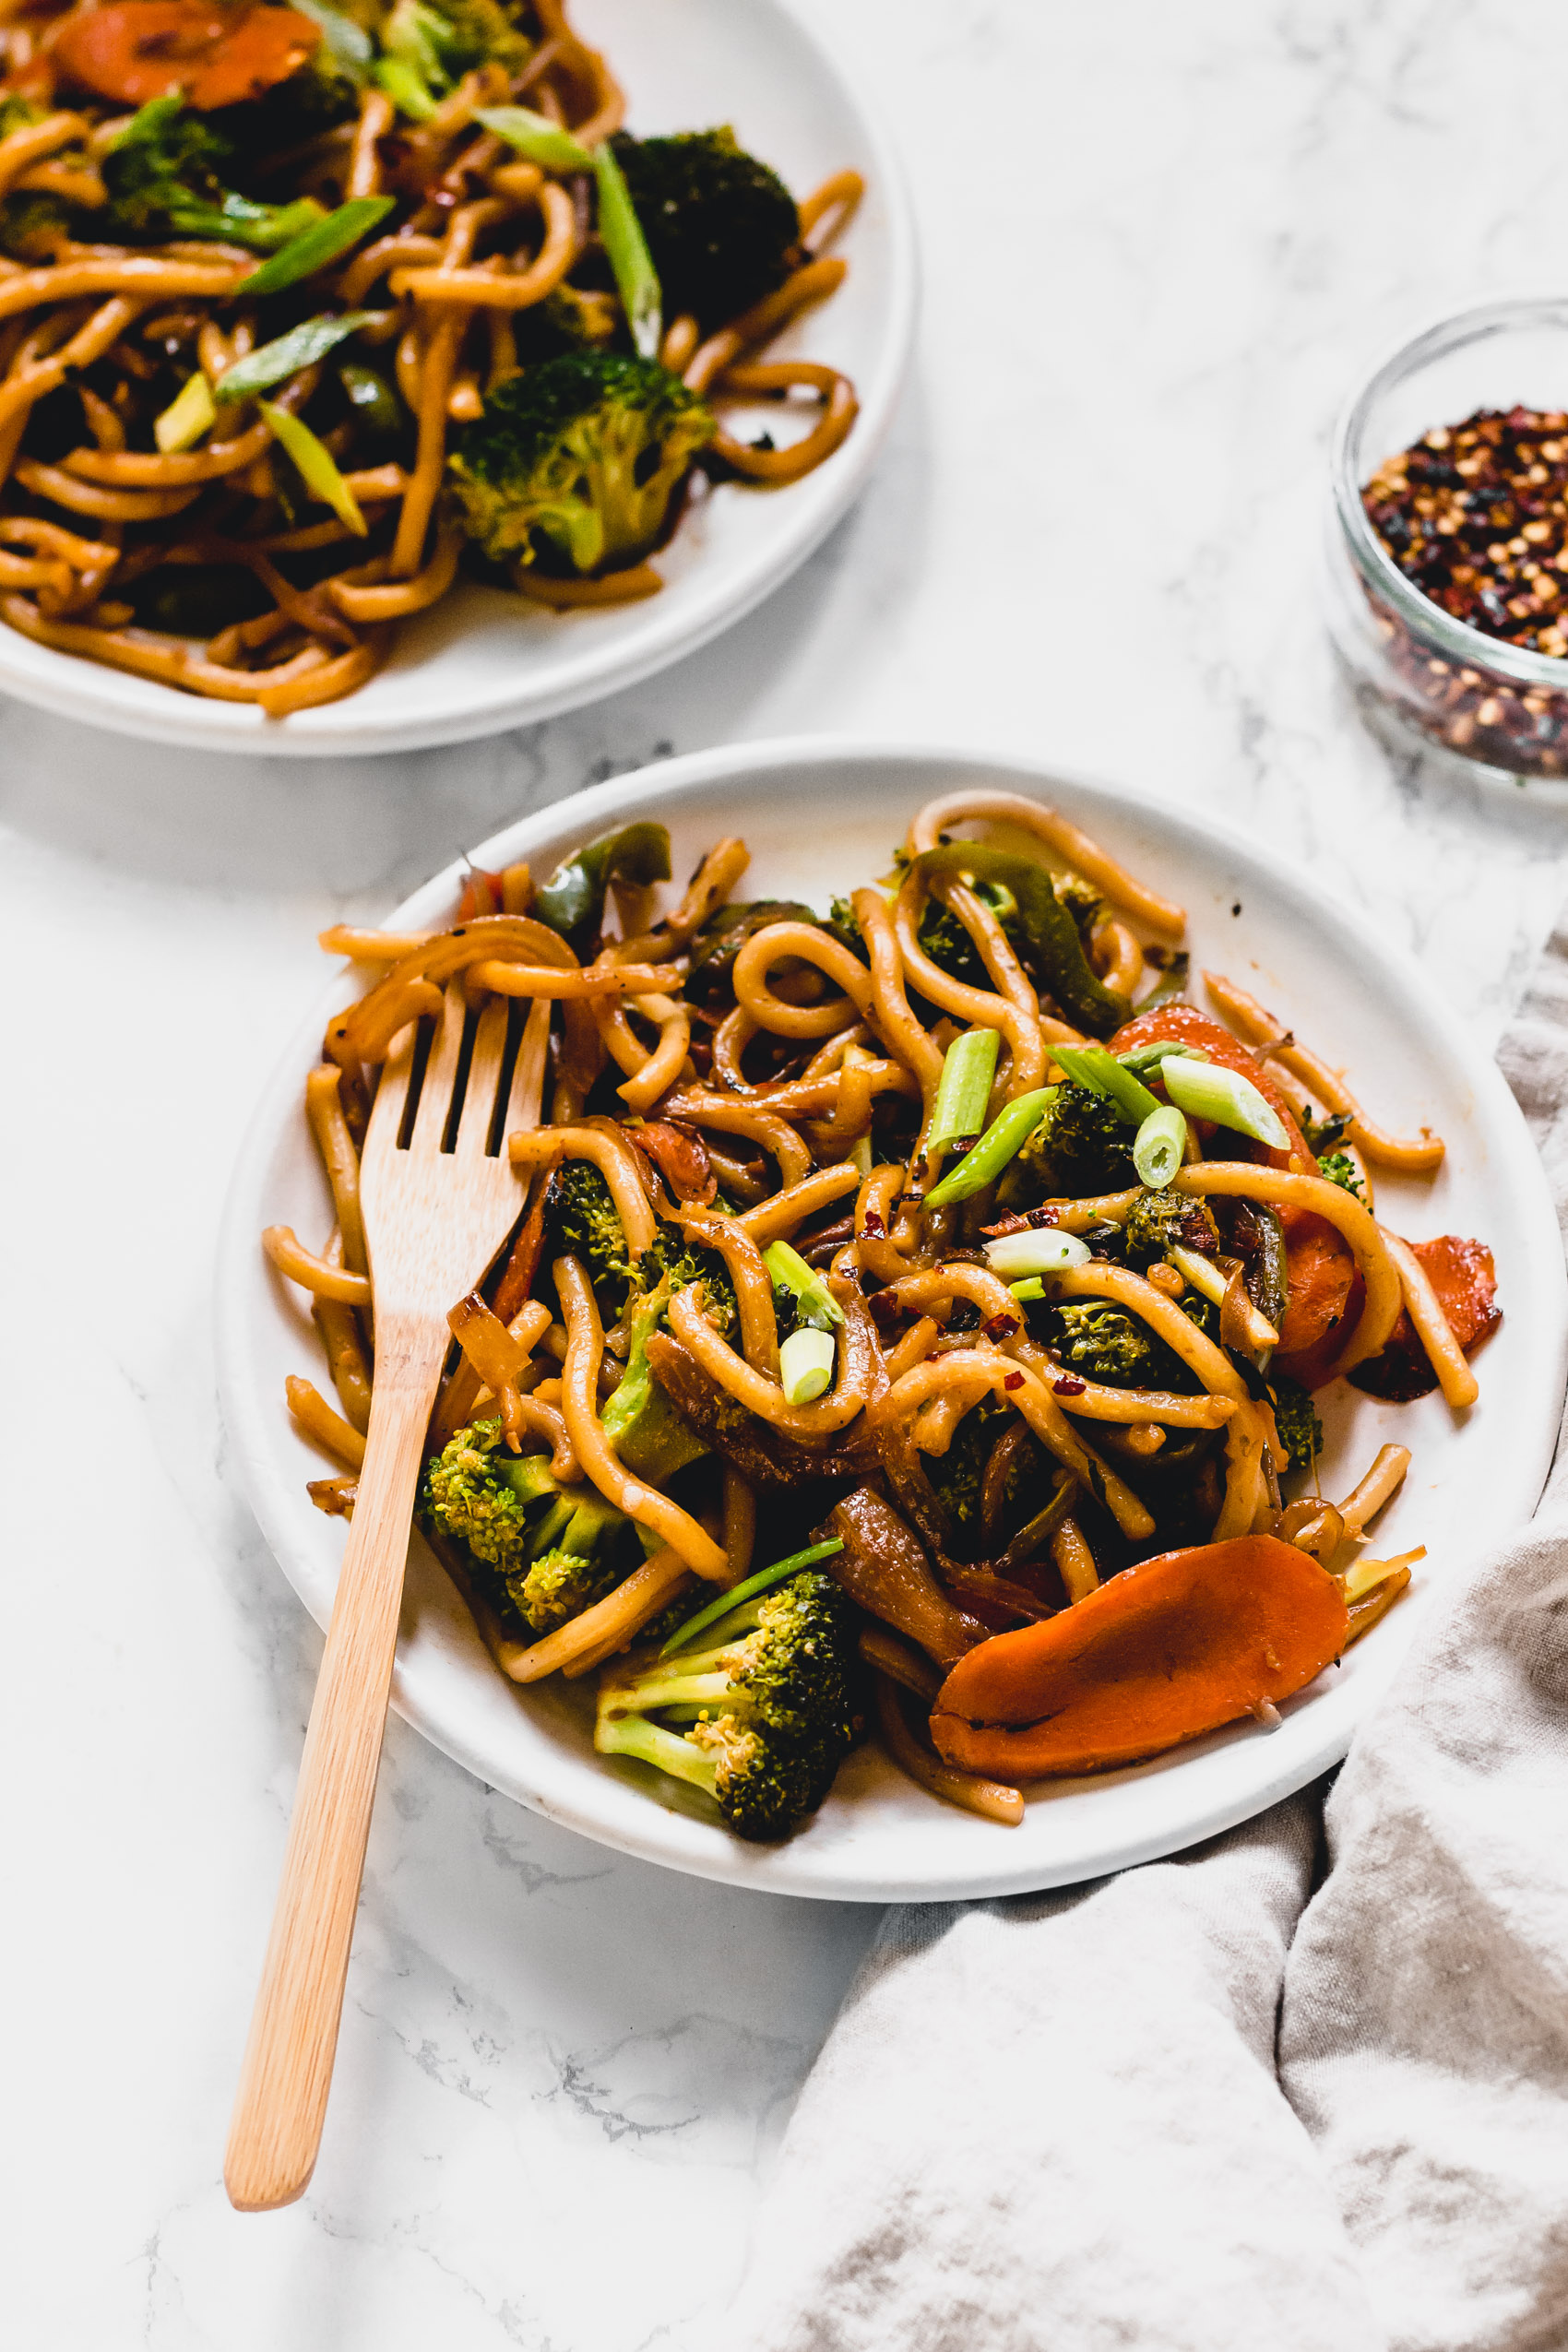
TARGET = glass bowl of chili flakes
(1449,556)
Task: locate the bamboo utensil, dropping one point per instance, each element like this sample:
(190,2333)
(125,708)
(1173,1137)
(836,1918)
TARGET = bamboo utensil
(439,1196)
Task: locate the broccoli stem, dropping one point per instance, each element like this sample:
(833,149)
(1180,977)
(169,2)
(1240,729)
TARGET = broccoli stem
(633,1735)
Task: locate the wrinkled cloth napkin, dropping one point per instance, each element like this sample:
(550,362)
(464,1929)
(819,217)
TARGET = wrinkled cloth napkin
(1302,2089)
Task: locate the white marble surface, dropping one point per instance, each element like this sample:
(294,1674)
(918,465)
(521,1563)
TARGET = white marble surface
(1160,242)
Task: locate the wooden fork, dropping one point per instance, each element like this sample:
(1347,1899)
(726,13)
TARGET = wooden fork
(439,1196)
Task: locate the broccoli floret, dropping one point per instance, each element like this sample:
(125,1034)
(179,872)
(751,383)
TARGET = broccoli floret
(582,1221)
(546,1551)
(774,1702)
(672,1257)
(1339,1168)
(1159,1221)
(942,938)
(167,176)
(1083,1145)
(1104,1344)
(428,46)
(1301,1431)
(959,1476)
(567,320)
(722,229)
(33,224)
(1323,1134)
(574,463)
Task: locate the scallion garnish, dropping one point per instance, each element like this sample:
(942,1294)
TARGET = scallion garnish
(636,281)
(187,417)
(535,137)
(317,468)
(789,1272)
(1001,1141)
(1093,1066)
(805,1364)
(1206,1091)
(1161,1142)
(969,1068)
(316,246)
(301,347)
(748,1590)
(1046,1249)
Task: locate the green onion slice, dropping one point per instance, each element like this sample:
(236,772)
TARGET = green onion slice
(1206,1091)
(1092,1067)
(316,246)
(636,281)
(187,418)
(789,1271)
(301,347)
(1144,1058)
(748,1590)
(1003,1141)
(1042,1251)
(963,1090)
(536,138)
(805,1364)
(317,467)
(1161,1144)
(350,43)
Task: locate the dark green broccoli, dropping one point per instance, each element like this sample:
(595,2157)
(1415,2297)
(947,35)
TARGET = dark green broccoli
(546,1551)
(324,92)
(1104,1344)
(943,938)
(582,1221)
(33,224)
(574,464)
(428,45)
(1301,1431)
(724,934)
(722,229)
(1323,1134)
(1083,1145)
(1339,1168)
(959,1476)
(1159,1221)
(167,176)
(567,320)
(671,1256)
(845,926)
(768,1707)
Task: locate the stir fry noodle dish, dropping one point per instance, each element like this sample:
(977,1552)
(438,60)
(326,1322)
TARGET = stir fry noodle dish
(942,1233)
(305,310)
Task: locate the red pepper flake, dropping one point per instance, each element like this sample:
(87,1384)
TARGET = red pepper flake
(1042,1217)
(1015,1380)
(1068,1386)
(1000,1327)
(873,1225)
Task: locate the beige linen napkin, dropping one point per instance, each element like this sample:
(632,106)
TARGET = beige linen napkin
(1201,2107)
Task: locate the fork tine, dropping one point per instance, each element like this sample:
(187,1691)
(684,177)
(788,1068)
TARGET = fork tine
(392,1093)
(435,1096)
(527,1079)
(479,1103)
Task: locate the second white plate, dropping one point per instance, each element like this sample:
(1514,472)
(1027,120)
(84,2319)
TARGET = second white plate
(821,818)
(484,660)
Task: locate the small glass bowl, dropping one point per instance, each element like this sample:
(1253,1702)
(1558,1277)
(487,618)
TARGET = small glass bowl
(1478,697)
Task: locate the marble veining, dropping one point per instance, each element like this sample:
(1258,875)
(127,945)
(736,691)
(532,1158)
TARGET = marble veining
(1160,244)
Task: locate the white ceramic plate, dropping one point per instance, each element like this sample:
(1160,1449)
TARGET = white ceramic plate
(482,660)
(820,817)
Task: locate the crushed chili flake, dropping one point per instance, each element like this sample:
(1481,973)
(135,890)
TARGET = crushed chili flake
(1068,1386)
(873,1225)
(1476,515)
(1015,1380)
(1000,1327)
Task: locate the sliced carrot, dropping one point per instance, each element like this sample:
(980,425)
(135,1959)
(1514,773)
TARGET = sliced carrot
(138,50)
(1465,1278)
(1323,1281)
(1166,1651)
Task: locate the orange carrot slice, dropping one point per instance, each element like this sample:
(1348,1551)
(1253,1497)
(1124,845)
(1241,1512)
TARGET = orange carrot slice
(1321,1269)
(139,50)
(1174,1647)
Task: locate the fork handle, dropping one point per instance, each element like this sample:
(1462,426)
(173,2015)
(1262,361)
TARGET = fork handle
(281,2101)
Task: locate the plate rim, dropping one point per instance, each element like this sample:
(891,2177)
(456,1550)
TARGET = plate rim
(779,1871)
(193,722)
